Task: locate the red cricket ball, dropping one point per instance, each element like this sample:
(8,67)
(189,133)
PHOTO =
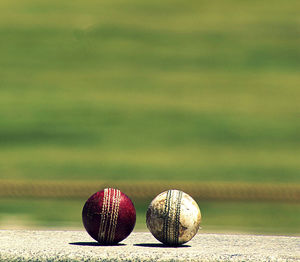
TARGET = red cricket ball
(109,216)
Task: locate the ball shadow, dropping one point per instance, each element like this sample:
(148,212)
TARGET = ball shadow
(160,245)
(94,244)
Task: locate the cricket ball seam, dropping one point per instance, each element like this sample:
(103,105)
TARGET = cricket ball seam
(103,220)
(107,229)
(115,213)
(177,216)
(172,216)
(166,216)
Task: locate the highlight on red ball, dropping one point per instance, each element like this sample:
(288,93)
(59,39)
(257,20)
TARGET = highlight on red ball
(109,216)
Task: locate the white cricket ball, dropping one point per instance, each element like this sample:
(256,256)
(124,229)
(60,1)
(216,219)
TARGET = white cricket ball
(173,217)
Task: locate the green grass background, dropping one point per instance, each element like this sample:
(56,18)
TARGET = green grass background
(152,90)
(220,217)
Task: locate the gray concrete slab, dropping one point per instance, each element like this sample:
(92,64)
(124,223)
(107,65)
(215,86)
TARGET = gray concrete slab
(49,246)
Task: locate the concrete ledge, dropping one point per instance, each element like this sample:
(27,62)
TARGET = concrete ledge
(78,246)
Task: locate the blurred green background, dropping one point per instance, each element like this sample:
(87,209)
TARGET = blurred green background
(129,90)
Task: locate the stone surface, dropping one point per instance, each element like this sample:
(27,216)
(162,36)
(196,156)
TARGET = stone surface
(79,246)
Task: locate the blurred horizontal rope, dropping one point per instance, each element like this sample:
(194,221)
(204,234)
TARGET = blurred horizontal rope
(148,190)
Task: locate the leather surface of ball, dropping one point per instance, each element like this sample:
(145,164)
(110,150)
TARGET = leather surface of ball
(173,217)
(109,216)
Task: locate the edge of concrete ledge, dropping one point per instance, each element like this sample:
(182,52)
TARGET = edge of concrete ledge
(29,245)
